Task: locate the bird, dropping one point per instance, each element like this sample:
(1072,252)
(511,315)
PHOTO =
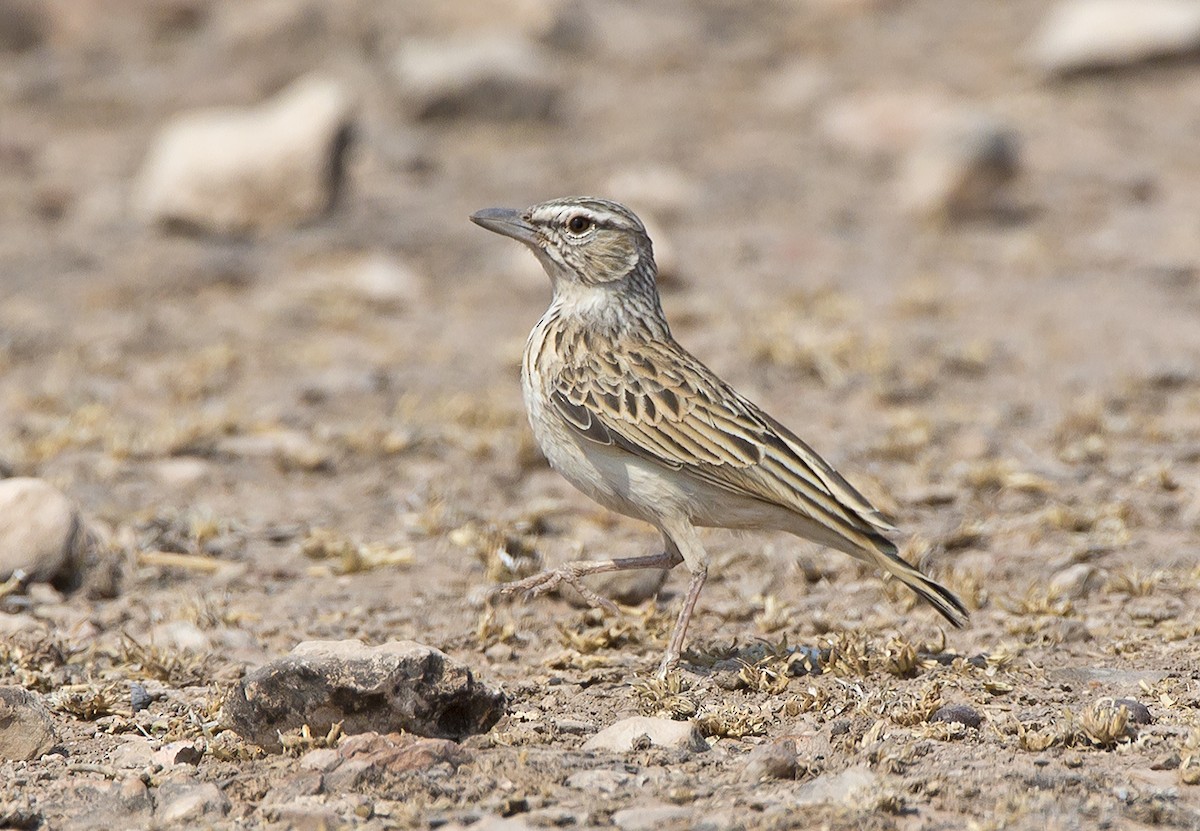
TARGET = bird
(640,425)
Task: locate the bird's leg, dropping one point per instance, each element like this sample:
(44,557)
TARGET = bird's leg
(570,573)
(681,624)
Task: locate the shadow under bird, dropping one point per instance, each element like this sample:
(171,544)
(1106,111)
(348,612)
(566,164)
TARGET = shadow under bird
(637,423)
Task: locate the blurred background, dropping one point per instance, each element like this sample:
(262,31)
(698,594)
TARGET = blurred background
(247,330)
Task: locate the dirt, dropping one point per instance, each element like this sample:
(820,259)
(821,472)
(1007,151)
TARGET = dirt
(1019,390)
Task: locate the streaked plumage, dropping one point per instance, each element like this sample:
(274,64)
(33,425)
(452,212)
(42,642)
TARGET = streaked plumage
(636,422)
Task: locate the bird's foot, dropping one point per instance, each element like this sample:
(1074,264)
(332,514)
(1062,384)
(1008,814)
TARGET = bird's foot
(549,580)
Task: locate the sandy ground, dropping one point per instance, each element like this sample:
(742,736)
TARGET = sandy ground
(1020,390)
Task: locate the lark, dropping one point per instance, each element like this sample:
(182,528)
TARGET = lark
(637,423)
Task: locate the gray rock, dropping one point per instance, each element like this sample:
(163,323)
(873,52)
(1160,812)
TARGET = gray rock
(239,170)
(848,787)
(630,733)
(774,760)
(395,686)
(323,759)
(23,25)
(26,728)
(1139,713)
(1076,582)
(958,714)
(651,817)
(627,587)
(189,801)
(1087,35)
(490,77)
(40,533)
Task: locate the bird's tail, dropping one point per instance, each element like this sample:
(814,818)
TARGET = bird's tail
(884,554)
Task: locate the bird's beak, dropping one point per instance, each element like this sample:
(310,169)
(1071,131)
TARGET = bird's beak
(508,222)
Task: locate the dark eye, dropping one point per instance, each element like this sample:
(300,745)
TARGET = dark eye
(578,224)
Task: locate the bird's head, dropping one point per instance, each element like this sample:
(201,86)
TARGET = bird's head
(579,240)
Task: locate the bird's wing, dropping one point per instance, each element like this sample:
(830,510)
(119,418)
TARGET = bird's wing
(661,404)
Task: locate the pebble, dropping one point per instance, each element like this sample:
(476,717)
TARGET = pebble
(243,170)
(600,780)
(486,77)
(628,587)
(26,727)
(401,685)
(849,787)
(323,759)
(188,802)
(1076,582)
(630,733)
(1139,713)
(133,752)
(1088,35)
(179,753)
(774,760)
(650,817)
(40,531)
(960,167)
(958,714)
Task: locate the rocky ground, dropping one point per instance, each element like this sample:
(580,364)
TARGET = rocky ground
(260,388)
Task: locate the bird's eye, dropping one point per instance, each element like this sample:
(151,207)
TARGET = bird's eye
(578,224)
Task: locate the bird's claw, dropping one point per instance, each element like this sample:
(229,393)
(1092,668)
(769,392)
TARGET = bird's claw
(547,581)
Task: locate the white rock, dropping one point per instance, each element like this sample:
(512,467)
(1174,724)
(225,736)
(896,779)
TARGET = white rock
(181,471)
(1076,581)
(1081,35)
(848,787)
(491,77)
(188,802)
(26,728)
(960,167)
(661,732)
(133,752)
(599,780)
(39,529)
(650,817)
(235,170)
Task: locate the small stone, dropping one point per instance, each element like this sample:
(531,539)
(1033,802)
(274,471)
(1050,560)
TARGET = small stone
(630,733)
(628,587)
(1139,713)
(382,279)
(774,760)
(87,805)
(957,714)
(650,817)
(1088,35)
(133,752)
(960,167)
(26,728)
(181,472)
(484,77)
(179,753)
(40,532)
(323,759)
(396,686)
(398,753)
(574,727)
(600,781)
(239,170)
(1076,582)
(850,787)
(189,801)
(306,816)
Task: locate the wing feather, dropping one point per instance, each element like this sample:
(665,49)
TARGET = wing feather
(661,404)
